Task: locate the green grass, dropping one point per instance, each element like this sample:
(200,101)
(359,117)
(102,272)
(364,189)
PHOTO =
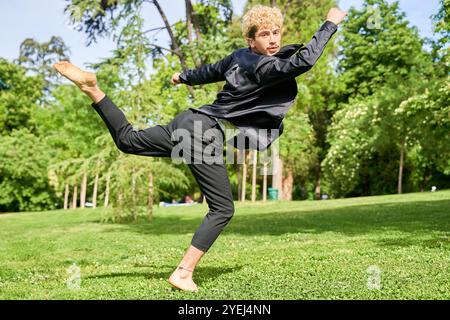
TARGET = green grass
(277,250)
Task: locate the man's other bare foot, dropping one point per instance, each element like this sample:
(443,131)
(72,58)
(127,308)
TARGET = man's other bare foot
(83,79)
(182,279)
(86,81)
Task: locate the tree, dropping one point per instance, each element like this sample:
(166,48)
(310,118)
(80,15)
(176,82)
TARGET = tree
(24,183)
(316,97)
(145,103)
(22,97)
(38,58)
(442,31)
(375,51)
(379,67)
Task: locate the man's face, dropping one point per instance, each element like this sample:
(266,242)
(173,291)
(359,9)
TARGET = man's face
(267,40)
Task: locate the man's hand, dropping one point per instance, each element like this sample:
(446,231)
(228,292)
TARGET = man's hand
(176,78)
(336,16)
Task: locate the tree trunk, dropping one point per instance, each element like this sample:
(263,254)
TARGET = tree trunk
(238,174)
(424,182)
(244,176)
(133,194)
(174,45)
(108,177)
(83,190)
(264,196)
(94,193)
(255,159)
(75,193)
(119,209)
(188,19)
(277,177)
(196,25)
(303,190)
(286,7)
(195,22)
(150,196)
(317,187)
(66,197)
(288,183)
(400,169)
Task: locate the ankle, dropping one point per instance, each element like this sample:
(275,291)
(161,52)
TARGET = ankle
(89,89)
(184,273)
(94,93)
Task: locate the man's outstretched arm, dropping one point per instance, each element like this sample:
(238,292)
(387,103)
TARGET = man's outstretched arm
(207,73)
(270,68)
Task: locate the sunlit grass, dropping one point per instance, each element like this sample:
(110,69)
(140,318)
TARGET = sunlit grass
(277,250)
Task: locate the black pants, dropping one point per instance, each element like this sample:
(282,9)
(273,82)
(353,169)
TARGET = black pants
(157,141)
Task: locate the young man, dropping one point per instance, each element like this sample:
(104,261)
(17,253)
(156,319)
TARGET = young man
(260,88)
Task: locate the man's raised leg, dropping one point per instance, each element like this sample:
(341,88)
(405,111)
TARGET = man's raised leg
(153,142)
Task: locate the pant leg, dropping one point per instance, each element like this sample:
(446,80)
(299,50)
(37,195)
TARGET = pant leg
(154,141)
(157,141)
(210,175)
(215,185)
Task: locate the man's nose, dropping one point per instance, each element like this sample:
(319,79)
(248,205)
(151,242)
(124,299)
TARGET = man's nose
(272,38)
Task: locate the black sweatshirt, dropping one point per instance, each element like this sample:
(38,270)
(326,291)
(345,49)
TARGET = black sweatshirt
(259,89)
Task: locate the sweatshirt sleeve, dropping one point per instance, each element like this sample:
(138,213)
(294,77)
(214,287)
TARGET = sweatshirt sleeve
(271,68)
(207,73)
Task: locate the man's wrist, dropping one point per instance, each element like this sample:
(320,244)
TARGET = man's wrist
(332,23)
(183,78)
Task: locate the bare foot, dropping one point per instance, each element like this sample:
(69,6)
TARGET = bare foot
(84,80)
(182,279)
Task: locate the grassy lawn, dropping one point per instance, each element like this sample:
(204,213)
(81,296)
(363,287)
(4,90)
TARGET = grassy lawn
(277,250)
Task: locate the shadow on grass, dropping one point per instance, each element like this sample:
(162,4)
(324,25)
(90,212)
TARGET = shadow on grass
(417,218)
(205,273)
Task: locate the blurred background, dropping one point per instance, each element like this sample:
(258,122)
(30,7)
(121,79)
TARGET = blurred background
(372,117)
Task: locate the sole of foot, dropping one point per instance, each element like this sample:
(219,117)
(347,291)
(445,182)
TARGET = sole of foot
(178,284)
(83,79)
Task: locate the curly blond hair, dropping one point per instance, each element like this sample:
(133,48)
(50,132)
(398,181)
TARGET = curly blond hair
(260,16)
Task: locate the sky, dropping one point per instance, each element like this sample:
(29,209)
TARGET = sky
(42,19)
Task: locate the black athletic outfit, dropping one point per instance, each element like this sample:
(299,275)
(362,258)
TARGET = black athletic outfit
(259,91)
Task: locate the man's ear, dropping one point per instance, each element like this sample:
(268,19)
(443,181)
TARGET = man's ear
(250,42)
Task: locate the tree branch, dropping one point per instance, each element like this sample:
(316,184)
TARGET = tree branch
(166,49)
(286,7)
(174,45)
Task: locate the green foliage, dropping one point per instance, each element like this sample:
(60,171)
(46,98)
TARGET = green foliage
(68,123)
(388,95)
(130,186)
(442,30)
(370,130)
(297,145)
(38,58)
(428,117)
(316,92)
(377,43)
(386,113)
(24,183)
(146,100)
(351,138)
(23,156)
(22,97)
